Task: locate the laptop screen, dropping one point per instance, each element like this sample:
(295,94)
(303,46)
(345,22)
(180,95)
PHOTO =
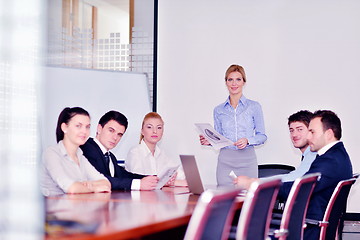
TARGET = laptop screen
(192,174)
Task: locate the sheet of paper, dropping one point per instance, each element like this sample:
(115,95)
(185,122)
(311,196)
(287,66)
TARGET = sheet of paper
(165,176)
(232,175)
(215,139)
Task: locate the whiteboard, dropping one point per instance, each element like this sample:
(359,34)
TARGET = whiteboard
(97,91)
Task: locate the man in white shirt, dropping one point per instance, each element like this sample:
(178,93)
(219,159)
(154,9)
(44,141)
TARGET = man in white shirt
(110,130)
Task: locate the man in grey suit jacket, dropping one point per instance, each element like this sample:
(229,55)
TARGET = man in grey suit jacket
(110,130)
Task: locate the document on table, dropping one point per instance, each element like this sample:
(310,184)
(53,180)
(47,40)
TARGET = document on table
(215,139)
(165,176)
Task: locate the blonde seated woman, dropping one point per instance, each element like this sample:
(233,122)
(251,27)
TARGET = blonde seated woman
(64,167)
(148,158)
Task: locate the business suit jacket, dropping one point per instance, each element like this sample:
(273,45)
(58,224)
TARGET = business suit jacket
(334,166)
(122,179)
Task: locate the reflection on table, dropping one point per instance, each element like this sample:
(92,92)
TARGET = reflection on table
(120,215)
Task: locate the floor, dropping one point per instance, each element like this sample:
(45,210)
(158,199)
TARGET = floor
(351,230)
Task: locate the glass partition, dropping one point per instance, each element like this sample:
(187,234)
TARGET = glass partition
(113,35)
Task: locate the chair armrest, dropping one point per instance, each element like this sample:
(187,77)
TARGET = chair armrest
(280,233)
(316,222)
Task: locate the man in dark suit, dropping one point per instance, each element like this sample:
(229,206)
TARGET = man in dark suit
(110,130)
(332,162)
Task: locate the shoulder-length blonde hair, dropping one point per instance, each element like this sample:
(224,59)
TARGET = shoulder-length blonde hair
(148,116)
(235,68)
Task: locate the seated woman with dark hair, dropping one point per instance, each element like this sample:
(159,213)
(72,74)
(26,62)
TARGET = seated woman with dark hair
(65,169)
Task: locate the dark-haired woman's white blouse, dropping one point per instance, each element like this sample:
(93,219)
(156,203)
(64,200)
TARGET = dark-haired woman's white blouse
(59,171)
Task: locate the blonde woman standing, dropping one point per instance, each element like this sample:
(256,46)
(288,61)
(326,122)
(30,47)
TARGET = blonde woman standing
(240,120)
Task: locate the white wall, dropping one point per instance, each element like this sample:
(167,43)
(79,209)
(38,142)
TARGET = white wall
(297,55)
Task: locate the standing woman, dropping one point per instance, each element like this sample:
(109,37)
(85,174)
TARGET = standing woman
(240,120)
(65,169)
(147,157)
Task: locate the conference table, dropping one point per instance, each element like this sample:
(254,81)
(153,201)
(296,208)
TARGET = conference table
(119,215)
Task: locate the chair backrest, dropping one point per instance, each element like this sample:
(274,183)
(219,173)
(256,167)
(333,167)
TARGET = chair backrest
(267,170)
(256,211)
(293,218)
(212,215)
(335,209)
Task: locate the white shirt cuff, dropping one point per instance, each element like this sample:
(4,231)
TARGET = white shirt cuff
(135,185)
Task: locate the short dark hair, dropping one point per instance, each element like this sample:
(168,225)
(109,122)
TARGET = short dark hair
(303,116)
(65,116)
(330,121)
(116,116)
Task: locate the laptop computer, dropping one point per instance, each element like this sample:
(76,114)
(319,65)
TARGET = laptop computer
(192,174)
(193,177)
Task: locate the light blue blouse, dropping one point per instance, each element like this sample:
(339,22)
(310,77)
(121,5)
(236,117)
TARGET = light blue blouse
(245,121)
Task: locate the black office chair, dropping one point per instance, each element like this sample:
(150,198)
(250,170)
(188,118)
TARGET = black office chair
(255,215)
(267,170)
(212,216)
(293,217)
(344,216)
(334,211)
